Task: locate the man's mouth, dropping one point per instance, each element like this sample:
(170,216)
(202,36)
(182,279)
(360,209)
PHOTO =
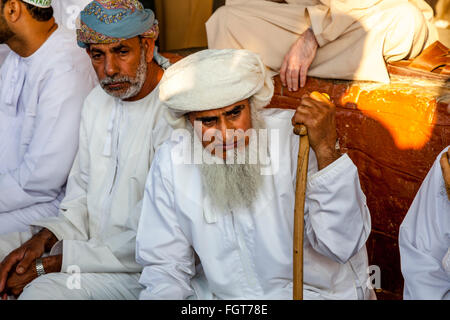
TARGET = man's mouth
(229,146)
(116,86)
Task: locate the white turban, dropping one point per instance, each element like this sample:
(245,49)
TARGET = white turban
(213,79)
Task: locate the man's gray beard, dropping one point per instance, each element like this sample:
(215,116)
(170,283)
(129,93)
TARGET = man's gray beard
(233,186)
(136,83)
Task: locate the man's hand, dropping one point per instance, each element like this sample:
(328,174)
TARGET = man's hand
(297,61)
(317,113)
(22,258)
(16,282)
(446,171)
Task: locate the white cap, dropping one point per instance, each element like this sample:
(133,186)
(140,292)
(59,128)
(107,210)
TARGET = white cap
(213,79)
(40,3)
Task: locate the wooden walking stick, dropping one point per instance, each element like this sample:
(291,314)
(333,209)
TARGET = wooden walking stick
(299,210)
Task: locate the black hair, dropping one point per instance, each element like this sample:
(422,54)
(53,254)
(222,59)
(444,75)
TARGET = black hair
(39,14)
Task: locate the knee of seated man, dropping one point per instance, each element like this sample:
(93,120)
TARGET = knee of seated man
(52,286)
(226,15)
(407,33)
(408,19)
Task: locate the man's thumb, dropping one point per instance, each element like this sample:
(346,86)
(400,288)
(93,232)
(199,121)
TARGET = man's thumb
(25,263)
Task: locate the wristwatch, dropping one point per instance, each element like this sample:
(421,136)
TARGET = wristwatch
(39,267)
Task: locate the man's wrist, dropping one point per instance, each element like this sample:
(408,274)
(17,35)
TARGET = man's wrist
(48,237)
(52,263)
(327,155)
(309,34)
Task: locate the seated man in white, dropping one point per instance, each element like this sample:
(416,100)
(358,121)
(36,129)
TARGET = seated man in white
(237,217)
(43,83)
(122,124)
(345,39)
(424,238)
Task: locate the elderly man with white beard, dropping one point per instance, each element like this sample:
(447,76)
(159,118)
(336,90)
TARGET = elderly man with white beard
(211,229)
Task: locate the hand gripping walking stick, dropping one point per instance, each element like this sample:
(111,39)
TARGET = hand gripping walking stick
(299,211)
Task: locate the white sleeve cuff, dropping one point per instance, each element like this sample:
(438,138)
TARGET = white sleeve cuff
(330,172)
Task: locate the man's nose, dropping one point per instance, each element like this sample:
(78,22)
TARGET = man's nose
(227,132)
(111,67)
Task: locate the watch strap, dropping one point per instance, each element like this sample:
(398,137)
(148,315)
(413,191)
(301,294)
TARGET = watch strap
(39,267)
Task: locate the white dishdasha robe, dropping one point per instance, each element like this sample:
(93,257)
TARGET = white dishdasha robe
(247,253)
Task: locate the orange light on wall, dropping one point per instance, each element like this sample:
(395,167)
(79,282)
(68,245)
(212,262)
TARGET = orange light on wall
(408,114)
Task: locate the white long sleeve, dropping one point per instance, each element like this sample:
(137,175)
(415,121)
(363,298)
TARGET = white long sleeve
(72,223)
(168,260)
(337,219)
(51,151)
(39,128)
(337,222)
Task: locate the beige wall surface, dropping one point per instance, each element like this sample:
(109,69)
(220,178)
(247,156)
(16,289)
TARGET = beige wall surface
(182,23)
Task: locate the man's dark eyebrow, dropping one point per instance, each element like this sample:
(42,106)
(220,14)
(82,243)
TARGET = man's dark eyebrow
(96,50)
(119,47)
(207,119)
(237,108)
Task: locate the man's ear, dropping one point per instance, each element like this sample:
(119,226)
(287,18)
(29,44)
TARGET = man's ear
(149,45)
(12,10)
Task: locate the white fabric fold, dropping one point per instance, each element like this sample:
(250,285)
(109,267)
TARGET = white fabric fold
(14,78)
(107,150)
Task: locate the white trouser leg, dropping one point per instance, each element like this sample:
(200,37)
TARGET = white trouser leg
(92,286)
